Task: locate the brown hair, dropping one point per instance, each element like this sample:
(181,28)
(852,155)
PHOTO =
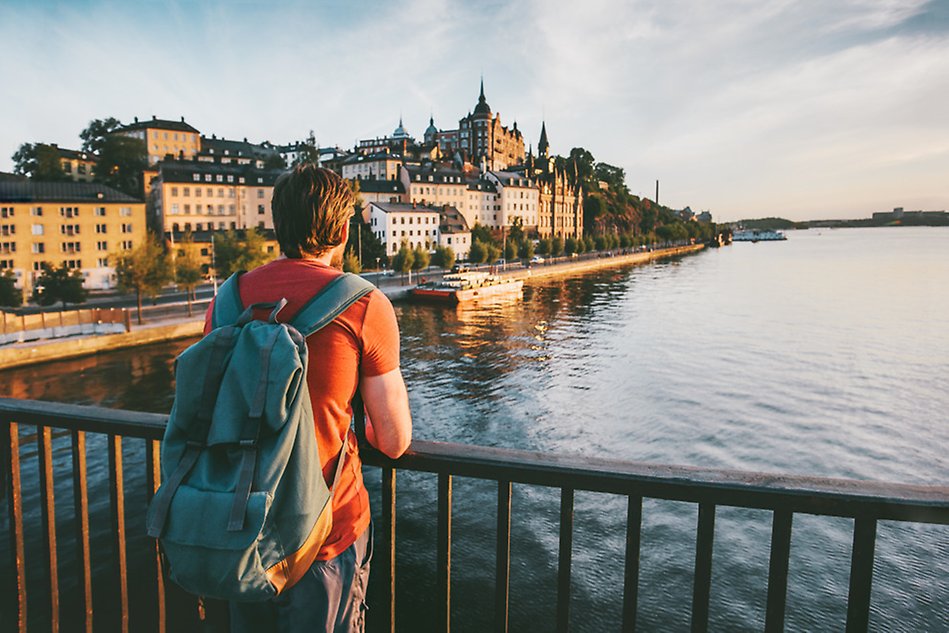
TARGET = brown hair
(311,207)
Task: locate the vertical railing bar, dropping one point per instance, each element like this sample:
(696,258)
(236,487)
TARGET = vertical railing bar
(388,529)
(778,571)
(503,559)
(703,567)
(81,506)
(634,521)
(443,555)
(564,559)
(117,508)
(861,574)
(153,480)
(15,508)
(44,440)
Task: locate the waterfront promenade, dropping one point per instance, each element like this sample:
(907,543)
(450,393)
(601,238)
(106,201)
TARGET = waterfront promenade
(170,328)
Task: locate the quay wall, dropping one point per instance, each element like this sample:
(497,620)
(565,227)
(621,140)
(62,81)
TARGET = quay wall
(18,355)
(61,349)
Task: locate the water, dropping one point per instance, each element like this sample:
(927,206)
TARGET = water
(826,355)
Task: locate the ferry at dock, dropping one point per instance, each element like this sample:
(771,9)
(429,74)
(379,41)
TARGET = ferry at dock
(462,287)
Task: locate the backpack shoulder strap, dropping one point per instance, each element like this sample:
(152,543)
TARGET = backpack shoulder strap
(227,303)
(330,302)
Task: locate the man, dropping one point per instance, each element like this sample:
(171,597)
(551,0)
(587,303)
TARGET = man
(311,210)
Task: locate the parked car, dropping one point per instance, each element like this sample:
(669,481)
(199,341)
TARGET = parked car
(537,259)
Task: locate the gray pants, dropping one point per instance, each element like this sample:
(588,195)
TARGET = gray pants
(330,597)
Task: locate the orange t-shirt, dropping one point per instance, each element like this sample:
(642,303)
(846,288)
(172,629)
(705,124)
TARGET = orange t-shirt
(363,341)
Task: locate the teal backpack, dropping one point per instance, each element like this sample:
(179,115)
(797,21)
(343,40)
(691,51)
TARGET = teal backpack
(243,508)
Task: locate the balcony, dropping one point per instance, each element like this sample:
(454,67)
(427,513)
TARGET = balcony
(155,604)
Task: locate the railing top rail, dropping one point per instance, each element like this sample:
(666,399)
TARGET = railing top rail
(812,495)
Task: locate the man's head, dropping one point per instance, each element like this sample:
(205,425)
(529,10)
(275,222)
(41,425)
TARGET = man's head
(311,211)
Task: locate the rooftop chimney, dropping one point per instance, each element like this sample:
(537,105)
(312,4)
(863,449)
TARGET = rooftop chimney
(182,119)
(154,118)
(136,119)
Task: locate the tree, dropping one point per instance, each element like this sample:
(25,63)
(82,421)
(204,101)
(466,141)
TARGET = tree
(478,252)
(589,244)
(585,165)
(510,251)
(188,273)
(121,161)
(444,257)
(404,259)
(143,269)
(422,258)
(10,295)
(95,134)
(59,284)
(545,246)
(361,235)
(275,161)
(235,251)
(527,249)
(570,245)
(39,161)
(494,252)
(482,233)
(556,246)
(351,262)
(308,151)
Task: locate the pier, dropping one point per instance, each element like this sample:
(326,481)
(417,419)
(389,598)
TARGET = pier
(866,503)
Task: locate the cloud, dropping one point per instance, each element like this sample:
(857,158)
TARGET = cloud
(736,105)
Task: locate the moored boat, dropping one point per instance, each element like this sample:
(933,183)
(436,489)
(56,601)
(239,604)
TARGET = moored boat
(466,286)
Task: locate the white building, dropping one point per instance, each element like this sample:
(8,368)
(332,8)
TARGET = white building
(394,223)
(455,232)
(518,198)
(380,166)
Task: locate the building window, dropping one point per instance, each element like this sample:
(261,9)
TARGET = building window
(36,211)
(7,247)
(174,209)
(38,229)
(127,244)
(260,209)
(39,247)
(6,212)
(102,245)
(197,192)
(126,228)
(69,212)
(174,191)
(220,178)
(7,229)
(207,177)
(101,228)
(102,262)
(187,192)
(196,177)
(210,192)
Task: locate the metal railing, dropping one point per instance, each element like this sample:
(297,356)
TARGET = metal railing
(866,502)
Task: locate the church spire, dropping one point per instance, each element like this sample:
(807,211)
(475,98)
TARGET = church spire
(543,148)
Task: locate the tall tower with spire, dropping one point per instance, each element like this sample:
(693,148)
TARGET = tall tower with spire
(481,134)
(543,147)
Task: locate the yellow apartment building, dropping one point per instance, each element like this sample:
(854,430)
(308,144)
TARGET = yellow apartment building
(81,224)
(202,196)
(164,138)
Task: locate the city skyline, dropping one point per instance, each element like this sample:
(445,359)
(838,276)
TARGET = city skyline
(748,110)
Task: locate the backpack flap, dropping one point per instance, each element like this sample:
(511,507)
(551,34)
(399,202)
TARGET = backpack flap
(216,562)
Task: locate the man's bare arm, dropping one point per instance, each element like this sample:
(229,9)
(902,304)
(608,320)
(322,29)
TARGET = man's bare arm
(389,427)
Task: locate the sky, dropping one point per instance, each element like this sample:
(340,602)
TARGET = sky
(804,109)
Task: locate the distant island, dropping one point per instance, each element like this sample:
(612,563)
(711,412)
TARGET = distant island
(896,217)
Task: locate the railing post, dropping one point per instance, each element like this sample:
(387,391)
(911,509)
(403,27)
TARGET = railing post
(861,574)
(634,520)
(153,480)
(117,508)
(388,560)
(443,556)
(81,505)
(503,558)
(48,519)
(703,567)
(11,454)
(778,571)
(564,560)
